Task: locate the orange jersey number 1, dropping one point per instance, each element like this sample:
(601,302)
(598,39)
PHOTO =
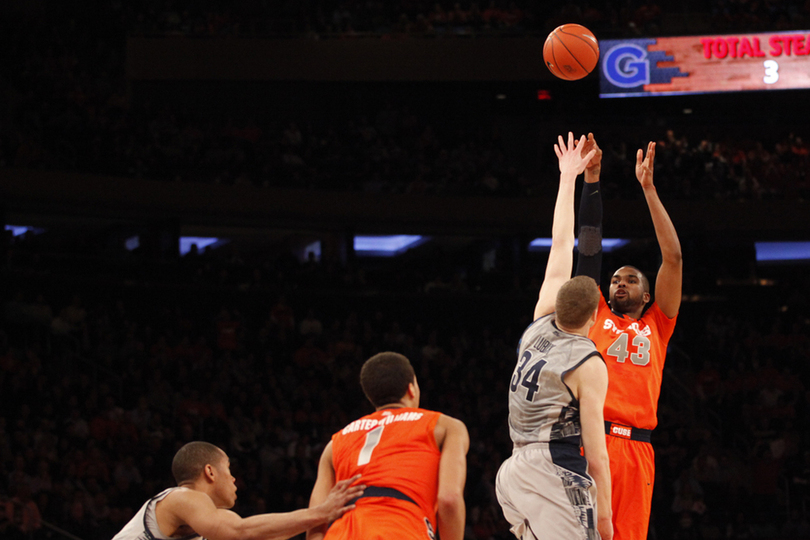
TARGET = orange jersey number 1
(372,440)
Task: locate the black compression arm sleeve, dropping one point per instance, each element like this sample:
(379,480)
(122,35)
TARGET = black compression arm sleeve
(589,261)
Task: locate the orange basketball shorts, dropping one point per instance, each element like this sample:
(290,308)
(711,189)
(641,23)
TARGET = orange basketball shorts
(632,474)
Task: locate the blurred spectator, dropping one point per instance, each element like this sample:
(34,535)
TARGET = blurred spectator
(22,518)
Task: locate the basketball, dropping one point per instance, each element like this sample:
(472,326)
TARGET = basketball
(571,52)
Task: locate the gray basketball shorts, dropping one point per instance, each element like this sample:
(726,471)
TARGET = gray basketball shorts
(541,498)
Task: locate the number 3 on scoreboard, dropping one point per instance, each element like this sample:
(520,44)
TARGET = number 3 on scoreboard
(372,440)
(771,71)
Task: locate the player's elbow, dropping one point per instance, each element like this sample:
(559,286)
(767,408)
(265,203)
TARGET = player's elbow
(450,504)
(451,515)
(673,256)
(563,245)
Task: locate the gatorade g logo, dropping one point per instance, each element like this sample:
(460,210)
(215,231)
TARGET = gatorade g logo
(626,66)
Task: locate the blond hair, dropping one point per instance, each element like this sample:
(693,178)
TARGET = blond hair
(576,301)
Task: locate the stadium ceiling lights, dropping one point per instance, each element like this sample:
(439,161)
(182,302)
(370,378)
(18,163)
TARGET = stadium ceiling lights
(202,242)
(782,252)
(387,245)
(608,244)
(19,230)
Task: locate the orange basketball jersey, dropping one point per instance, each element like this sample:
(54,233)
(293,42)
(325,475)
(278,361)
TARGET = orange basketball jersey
(634,351)
(394,449)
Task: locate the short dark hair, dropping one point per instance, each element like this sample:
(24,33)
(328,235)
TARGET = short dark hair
(385,378)
(645,281)
(576,301)
(191,459)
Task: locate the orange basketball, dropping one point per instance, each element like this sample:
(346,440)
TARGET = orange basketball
(571,51)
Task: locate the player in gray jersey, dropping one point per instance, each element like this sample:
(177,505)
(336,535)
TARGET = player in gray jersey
(143,526)
(198,507)
(541,407)
(548,488)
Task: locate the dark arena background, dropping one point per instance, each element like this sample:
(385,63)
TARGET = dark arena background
(187,186)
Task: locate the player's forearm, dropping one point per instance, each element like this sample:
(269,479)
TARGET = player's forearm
(589,260)
(451,516)
(599,469)
(591,380)
(665,231)
(592,174)
(451,511)
(562,230)
(317,498)
(281,526)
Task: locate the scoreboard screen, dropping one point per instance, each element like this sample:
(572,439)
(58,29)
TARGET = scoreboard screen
(704,64)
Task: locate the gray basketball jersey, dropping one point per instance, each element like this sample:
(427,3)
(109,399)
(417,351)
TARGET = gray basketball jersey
(541,406)
(143,526)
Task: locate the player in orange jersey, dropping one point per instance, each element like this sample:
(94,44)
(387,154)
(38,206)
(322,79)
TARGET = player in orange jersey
(632,335)
(413,463)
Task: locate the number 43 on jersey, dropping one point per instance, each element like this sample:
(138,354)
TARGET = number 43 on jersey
(619,350)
